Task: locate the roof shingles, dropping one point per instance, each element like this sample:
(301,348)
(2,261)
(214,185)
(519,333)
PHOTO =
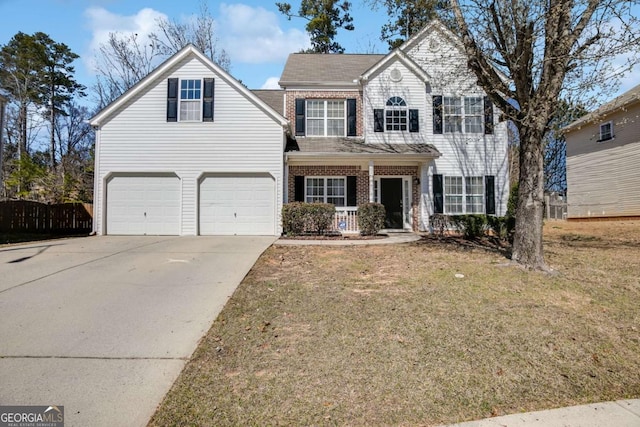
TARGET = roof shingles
(326,68)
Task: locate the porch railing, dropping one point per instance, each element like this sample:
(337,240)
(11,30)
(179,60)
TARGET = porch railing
(346,220)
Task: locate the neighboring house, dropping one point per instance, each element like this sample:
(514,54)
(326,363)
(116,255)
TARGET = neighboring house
(411,130)
(188,150)
(603,154)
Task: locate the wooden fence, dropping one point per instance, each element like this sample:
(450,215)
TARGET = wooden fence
(17,216)
(555,206)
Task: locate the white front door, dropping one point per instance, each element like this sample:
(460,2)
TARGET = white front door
(237,204)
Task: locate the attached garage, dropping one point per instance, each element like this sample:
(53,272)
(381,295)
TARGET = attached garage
(140,204)
(237,204)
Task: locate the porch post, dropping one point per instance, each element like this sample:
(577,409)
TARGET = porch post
(371,193)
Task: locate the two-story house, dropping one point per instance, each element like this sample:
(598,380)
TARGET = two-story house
(603,151)
(189,150)
(411,130)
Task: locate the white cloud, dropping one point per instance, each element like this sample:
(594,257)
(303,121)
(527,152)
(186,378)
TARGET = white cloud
(102,22)
(271,83)
(252,35)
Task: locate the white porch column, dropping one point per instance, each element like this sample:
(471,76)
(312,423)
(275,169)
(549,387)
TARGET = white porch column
(371,192)
(426,195)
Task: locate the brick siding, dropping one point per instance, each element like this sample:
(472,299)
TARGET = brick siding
(362,180)
(290,106)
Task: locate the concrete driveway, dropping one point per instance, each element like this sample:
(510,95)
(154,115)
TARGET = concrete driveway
(104,325)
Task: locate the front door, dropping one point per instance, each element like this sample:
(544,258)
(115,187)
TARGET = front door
(391,198)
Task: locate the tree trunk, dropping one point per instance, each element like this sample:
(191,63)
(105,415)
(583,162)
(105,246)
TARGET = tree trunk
(22,137)
(527,243)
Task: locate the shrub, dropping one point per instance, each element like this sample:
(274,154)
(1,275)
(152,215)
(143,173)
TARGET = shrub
(499,226)
(302,218)
(471,226)
(439,224)
(371,218)
(512,204)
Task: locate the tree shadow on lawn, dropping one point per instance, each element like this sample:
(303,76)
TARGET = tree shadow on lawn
(457,243)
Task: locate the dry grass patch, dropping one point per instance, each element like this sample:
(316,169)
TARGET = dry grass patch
(387,335)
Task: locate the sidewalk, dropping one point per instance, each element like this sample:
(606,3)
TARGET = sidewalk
(621,413)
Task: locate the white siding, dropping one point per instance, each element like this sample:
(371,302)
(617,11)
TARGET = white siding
(242,138)
(461,154)
(603,178)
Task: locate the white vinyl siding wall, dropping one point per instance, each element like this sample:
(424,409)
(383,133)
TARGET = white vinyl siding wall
(242,138)
(464,155)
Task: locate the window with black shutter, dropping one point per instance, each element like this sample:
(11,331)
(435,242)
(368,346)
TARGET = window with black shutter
(438,205)
(490,194)
(488,116)
(437,114)
(172,100)
(378,120)
(300,119)
(414,122)
(298,189)
(351,117)
(207,100)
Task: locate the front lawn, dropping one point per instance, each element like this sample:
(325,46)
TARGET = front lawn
(388,335)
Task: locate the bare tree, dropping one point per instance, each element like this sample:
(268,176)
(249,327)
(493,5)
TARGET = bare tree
(200,32)
(125,59)
(120,63)
(526,54)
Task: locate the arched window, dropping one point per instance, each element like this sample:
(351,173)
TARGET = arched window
(396,114)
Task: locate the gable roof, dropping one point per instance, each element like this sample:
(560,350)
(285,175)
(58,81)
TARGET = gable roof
(274,98)
(433,25)
(628,98)
(189,50)
(326,69)
(401,56)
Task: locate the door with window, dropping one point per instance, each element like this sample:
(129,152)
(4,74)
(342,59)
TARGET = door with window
(395,194)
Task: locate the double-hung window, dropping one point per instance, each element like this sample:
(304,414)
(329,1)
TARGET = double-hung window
(190,100)
(463,195)
(396,114)
(606,131)
(463,114)
(326,190)
(325,117)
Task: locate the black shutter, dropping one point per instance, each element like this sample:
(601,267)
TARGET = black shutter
(438,195)
(172,100)
(414,123)
(378,120)
(207,100)
(351,117)
(300,106)
(437,114)
(488,116)
(490,194)
(352,191)
(298,189)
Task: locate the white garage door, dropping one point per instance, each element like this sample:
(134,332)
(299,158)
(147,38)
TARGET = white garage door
(139,205)
(243,205)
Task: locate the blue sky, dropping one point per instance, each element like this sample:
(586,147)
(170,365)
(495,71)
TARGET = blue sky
(255,35)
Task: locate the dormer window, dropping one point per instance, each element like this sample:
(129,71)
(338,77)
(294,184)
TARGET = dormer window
(396,114)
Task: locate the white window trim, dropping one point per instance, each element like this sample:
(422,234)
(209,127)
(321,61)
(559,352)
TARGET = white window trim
(325,118)
(325,195)
(463,114)
(402,108)
(200,101)
(464,195)
(611,134)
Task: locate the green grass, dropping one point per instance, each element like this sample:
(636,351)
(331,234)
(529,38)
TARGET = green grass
(387,335)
